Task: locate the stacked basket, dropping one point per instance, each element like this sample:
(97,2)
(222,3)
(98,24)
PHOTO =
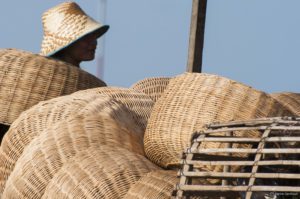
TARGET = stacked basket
(26,79)
(113,142)
(79,137)
(191,101)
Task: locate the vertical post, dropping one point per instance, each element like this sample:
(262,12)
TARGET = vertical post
(196,40)
(101,16)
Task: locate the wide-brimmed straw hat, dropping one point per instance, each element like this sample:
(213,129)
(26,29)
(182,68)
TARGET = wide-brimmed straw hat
(65,24)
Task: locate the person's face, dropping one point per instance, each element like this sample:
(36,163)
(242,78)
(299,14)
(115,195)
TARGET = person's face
(83,49)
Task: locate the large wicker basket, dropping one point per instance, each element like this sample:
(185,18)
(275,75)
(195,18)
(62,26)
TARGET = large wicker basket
(191,101)
(48,152)
(47,113)
(26,79)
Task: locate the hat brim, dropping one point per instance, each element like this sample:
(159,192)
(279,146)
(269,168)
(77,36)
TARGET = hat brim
(99,31)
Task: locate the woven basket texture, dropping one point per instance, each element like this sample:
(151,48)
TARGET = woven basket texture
(154,185)
(153,87)
(290,100)
(26,79)
(98,172)
(35,120)
(191,101)
(137,102)
(55,146)
(31,123)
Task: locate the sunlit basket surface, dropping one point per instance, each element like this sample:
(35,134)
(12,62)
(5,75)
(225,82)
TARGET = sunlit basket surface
(139,103)
(26,79)
(32,122)
(191,101)
(55,146)
(98,172)
(153,87)
(46,114)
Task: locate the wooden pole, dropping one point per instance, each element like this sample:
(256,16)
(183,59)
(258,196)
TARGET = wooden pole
(196,40)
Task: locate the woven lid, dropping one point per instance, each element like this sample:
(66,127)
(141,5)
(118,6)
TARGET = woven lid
(153,87)
(98,172)
(290,100)
(191,101)
(64,24)
(154,185)
(26,79)
(137,102)
(55,146)
(34,121)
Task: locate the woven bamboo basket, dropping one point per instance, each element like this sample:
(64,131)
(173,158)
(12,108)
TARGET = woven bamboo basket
(153,87)
(154,185)
(290,100)
(191,101)
(26,79)
(139,103)
(271,170)
(55,146)
(35,120)
(98,172)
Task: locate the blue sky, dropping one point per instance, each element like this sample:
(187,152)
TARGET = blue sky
(255,42)
(251,41)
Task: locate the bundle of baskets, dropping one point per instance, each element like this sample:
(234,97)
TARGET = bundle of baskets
(110,142)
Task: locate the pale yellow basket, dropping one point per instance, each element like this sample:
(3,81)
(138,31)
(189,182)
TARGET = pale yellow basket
(191,101)
(55,146)
(26,79)
(35,120)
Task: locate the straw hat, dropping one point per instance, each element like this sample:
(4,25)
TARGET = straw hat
(64,24)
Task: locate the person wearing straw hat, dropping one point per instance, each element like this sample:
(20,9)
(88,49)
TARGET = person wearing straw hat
(70,34)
